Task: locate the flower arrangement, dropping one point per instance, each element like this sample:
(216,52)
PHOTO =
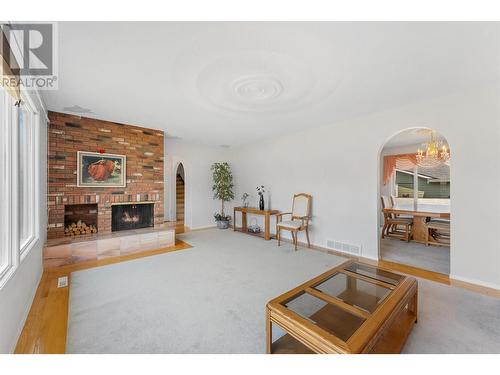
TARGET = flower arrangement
(244,198)
(261,190)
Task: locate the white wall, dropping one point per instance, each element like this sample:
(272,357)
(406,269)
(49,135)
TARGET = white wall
(339,165)
(197,160)
(17,294)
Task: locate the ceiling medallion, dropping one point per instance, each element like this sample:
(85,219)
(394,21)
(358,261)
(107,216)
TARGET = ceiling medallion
(435,153)
(257,88)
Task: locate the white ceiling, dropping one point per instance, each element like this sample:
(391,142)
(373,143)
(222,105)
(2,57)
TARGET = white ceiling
(228,83)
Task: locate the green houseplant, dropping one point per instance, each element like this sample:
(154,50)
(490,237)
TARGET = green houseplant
(223,190)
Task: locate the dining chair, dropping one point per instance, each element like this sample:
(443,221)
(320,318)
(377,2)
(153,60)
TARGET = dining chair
(299,221)
(393,222)
(437,232)
(394,204)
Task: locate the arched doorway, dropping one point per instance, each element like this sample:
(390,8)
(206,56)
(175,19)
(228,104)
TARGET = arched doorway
(414,201)
(180,198)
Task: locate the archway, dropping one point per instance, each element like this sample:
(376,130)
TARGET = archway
(414,201)
(180,198)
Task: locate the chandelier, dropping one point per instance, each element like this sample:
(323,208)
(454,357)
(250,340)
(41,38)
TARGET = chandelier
(435,153)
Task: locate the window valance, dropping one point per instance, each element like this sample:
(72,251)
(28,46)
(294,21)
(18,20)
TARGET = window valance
(402,161)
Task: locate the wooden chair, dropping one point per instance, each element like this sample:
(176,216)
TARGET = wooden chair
(393,204)
(392,222)
(437,232)
(300,216)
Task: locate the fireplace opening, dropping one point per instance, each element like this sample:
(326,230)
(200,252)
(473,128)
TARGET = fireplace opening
(80,219)
(132,216)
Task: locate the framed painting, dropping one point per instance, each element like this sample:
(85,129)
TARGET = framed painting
(101,170)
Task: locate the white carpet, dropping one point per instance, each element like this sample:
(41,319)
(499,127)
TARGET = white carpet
(208,299)
(211,299)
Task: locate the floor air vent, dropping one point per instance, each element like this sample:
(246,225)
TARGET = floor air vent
(344,247)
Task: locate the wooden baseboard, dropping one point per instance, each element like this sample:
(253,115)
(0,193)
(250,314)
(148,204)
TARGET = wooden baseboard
(410,270)
(196,229)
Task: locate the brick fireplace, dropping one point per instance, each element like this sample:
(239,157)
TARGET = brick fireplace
(68,134)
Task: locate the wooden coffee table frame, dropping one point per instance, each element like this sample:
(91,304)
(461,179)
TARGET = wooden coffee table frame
(384,331)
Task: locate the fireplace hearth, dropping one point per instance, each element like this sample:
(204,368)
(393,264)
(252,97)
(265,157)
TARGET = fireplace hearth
(132,216)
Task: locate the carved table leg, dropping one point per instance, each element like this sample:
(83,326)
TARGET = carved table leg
(244,221)
(267,233)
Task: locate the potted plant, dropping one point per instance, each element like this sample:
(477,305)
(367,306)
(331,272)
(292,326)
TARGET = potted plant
(221,220)
(223,190)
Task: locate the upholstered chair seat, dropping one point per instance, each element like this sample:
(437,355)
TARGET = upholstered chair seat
(402,220)
(295,224)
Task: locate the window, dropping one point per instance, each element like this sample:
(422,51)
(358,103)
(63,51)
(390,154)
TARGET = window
(4,247)
(434,182)
(404,183)
(19,183)
(404,179)
(26,177)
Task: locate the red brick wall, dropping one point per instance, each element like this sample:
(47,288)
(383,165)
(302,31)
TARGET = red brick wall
(143,147)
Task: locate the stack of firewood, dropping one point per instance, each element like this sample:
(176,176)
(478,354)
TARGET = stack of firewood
(79,227)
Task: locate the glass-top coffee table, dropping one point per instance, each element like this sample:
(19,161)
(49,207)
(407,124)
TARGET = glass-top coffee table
(353,308)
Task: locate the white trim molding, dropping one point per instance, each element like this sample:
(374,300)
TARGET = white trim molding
(7,190)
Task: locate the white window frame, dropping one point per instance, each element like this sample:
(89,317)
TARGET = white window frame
(415,183)
(9,189)
(9,185)
(6,260)
(32,220)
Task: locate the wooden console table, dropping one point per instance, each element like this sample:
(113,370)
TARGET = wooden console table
(252,210)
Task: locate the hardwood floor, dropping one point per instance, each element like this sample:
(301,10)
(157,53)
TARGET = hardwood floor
(45,329)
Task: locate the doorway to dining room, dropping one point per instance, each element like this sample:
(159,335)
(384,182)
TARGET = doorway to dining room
(414,200)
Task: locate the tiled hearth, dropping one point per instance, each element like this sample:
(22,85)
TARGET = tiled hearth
(71,250)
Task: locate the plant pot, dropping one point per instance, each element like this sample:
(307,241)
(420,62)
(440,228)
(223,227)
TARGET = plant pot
(222,224)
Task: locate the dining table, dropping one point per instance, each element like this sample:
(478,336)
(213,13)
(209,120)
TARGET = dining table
(420,213)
